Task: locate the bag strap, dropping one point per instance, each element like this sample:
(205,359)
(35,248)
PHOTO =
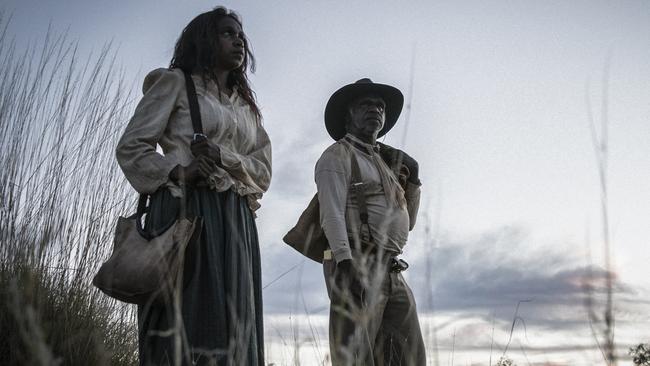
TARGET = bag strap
(195,112)
(197,125)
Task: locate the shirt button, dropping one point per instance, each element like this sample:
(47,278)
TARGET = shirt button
(229,136)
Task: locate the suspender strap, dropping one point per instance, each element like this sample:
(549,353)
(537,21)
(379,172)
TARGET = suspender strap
(359,188)
(360,191)
(142,204)
(195,113)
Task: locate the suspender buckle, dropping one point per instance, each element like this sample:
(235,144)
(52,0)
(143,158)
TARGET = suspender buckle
(199,137)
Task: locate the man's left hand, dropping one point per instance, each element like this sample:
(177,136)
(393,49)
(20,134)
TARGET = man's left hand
(396,157)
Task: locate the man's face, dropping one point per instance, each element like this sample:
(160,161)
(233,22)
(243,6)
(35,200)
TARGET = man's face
(367,115)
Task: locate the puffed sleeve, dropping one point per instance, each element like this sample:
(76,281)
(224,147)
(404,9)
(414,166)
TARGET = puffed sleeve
(143,166)
(254,168)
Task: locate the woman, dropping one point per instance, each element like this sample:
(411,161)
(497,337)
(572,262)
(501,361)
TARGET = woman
(220,177)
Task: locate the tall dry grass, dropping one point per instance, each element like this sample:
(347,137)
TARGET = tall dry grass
(60,192)
(603,326)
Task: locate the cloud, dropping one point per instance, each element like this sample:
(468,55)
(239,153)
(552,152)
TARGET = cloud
(295,155)
(484,276)
(475,284)
(294,284)
(490,273)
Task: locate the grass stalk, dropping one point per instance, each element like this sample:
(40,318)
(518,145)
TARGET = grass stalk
(60,192)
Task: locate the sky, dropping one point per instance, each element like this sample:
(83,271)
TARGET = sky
(499,95)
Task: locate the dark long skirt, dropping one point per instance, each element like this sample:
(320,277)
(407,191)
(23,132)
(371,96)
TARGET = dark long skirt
(221,302)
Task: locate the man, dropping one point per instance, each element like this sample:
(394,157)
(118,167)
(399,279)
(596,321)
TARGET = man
(369,196)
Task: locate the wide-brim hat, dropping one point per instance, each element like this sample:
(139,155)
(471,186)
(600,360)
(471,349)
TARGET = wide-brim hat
(337,106)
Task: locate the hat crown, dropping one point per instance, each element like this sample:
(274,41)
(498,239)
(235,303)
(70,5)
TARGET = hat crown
(337,105)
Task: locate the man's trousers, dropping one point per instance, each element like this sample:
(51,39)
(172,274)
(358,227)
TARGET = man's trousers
(377,327)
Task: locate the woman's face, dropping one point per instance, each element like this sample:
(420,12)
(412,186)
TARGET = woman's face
(232,49)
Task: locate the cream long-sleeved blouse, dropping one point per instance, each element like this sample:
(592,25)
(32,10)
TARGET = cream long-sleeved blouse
(163,118)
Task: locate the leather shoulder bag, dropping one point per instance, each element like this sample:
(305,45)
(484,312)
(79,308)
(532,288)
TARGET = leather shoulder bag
(146,266)
(308,237)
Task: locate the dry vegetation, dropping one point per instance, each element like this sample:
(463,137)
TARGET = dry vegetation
(60,191)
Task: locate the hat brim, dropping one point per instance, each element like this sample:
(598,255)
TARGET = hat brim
(337,106)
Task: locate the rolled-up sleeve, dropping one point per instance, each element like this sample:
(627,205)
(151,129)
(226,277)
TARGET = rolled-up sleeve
(143,166)
(412,195)
(332,181)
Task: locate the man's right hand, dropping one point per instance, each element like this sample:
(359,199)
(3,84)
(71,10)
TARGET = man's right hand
(347,276)
(200,168)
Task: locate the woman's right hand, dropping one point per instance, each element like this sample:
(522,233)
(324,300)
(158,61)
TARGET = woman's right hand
(200,168)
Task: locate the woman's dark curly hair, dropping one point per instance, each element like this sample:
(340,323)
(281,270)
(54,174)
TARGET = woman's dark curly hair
(197,51)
